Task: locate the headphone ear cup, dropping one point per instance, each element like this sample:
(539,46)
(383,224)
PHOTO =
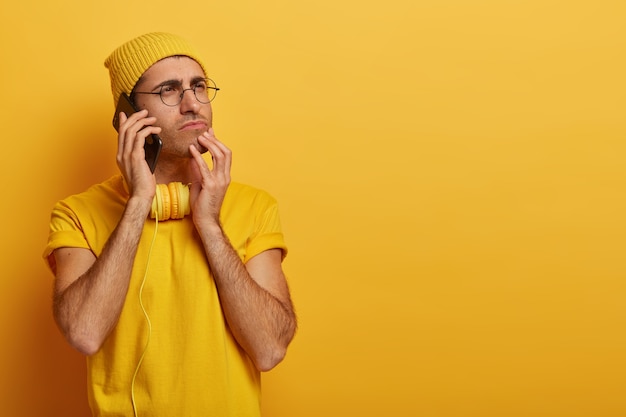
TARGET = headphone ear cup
(160,203)
(184,205)
(165,193)
(170,201)
(157,205)
(174,200)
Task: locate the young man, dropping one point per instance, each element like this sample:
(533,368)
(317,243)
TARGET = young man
(177,317)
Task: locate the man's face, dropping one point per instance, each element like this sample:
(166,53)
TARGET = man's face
(181,124)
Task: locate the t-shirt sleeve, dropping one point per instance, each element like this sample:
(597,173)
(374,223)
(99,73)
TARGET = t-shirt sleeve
(65,231)
(268,232)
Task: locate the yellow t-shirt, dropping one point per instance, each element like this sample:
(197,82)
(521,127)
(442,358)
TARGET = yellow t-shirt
(192,365)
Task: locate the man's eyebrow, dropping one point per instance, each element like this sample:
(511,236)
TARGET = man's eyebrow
(193,81)
(168,82)
(197,79)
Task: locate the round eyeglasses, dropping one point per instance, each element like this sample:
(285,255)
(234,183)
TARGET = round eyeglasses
(172,93)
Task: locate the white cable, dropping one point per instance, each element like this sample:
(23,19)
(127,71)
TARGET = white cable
(145,313)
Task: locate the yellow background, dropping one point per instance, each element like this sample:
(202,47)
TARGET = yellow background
(450,174)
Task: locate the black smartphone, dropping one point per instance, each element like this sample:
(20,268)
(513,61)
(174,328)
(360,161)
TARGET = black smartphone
(153,144)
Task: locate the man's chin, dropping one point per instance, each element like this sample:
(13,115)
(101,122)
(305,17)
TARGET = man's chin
(200,148)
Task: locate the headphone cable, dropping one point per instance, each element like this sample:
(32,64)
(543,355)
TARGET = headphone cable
(145,313)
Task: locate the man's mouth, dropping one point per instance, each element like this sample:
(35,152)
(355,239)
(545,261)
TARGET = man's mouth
(194,125)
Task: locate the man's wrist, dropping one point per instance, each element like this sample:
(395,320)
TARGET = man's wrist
(139,205)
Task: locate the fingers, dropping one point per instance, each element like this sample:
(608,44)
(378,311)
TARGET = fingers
(221,155)
(208,193)
(133,132)
(131,161)
(122,121)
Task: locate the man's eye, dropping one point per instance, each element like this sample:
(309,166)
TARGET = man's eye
(200,86)
(169,89)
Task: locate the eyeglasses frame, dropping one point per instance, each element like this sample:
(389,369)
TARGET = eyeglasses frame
(182,94)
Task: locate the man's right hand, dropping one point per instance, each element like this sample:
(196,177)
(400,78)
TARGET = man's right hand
(131,157)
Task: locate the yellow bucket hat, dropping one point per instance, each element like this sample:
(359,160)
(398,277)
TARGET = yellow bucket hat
(128,62)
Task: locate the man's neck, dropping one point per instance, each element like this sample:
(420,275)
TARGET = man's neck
(168,170)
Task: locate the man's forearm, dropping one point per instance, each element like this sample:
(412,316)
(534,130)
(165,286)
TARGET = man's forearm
(89,308)
(261,322)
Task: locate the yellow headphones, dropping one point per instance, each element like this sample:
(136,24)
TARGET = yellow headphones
(170,202)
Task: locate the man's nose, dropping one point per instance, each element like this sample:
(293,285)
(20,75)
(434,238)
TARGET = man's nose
(188,102)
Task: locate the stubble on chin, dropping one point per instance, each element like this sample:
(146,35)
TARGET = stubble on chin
(200,148)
